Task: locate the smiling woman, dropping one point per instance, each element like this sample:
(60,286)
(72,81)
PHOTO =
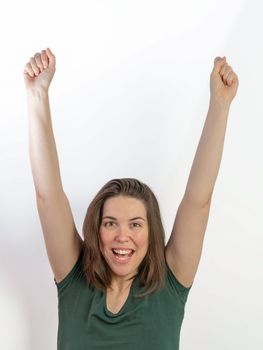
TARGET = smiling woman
(135,223)
(121,290)
(120,286)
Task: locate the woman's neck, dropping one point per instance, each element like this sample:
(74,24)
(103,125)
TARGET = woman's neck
(120,284)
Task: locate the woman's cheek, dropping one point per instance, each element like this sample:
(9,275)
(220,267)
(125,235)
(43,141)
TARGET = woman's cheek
(142,239)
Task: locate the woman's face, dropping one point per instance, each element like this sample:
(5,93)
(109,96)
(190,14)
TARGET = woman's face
(124,234)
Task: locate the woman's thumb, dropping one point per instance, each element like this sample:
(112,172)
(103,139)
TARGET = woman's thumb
(51,56)
(218,63)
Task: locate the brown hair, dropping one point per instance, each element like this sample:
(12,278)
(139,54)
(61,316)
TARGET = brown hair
(151,271)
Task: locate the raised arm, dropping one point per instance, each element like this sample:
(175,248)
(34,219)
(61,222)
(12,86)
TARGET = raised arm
(183,250)
(63,243)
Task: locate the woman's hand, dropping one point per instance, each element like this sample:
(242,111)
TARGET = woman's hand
(223,82)
(39,71)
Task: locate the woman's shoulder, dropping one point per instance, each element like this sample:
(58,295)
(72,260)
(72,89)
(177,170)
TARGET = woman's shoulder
(175,285)
(75,278)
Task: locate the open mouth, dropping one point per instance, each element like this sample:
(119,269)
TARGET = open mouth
(123,254)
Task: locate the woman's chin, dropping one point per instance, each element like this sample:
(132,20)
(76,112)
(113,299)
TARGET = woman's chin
(122,266)
(122,270)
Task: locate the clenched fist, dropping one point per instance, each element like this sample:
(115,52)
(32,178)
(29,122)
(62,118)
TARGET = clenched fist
(39,71)
(223,82)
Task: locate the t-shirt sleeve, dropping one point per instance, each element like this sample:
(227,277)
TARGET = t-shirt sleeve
(176,286)
(75,274)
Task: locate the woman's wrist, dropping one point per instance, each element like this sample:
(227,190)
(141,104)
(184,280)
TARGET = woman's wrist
(38,93)
(219,106)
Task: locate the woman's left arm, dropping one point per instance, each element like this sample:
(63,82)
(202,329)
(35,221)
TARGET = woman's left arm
(183,250)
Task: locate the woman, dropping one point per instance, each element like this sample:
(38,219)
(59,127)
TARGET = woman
(122,287)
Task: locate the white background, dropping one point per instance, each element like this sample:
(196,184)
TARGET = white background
(129,99)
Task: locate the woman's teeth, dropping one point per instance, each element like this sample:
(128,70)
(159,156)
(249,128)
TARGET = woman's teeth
(119,251)
(122,252)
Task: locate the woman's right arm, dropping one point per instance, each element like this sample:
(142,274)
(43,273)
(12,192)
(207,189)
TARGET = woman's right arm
(63,242)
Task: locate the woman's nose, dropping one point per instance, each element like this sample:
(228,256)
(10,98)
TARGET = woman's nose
(122,235)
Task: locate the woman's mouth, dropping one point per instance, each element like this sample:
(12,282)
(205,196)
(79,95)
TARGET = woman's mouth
(122,255)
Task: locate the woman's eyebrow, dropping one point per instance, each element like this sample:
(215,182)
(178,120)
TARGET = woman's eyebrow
(112,218)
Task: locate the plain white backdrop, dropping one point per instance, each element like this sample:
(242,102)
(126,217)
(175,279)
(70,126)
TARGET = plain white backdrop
(129,99)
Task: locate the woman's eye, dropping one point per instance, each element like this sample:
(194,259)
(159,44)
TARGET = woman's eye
(109,222)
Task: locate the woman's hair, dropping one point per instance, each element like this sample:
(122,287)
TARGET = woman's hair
(151,271)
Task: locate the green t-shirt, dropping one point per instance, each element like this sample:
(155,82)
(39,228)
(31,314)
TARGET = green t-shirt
(152,322)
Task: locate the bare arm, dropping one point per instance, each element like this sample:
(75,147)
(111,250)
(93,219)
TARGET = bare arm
(63,243)
(183,250)
(42,147)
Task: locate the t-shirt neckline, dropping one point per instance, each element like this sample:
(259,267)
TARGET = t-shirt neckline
(124,306)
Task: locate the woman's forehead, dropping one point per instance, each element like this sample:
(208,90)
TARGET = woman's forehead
(123,205)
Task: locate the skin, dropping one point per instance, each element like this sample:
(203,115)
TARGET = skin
(124,233)
(39,71)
